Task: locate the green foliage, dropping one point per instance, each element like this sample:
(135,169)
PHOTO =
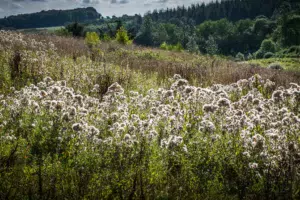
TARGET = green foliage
(62,32)
(50,18)
(259,54)
(164,46)
(145,35)
(192,45)
(269,55)
(211,46)
(76,29)
(250,56)
(240,57)
(291,30)
(106,37)
(92,39)
(177,47)
(122,36)
(268,46)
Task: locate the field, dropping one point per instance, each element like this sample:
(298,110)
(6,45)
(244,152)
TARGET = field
(291,64)
(129,122)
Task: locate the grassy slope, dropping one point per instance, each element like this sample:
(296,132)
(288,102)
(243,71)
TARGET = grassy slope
(292,64)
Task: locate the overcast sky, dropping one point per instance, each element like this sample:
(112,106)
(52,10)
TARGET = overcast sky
(104,7)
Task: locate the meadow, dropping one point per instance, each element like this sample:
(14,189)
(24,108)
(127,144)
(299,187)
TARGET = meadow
(129,122)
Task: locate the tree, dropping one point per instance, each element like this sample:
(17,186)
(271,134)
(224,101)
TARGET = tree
(160,35)
(92,39)
(122,36)
(268,46)
(291,30)
(192,46)
(76,29)
(211,46)
(145,35)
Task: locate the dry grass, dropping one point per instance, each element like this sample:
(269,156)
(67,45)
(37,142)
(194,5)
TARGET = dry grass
(198,69)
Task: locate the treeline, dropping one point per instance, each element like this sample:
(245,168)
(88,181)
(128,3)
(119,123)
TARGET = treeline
(49,18)
(263,36)
(232,10)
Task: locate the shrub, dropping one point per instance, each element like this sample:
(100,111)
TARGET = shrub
(192,45)
(177,47)
(106,37)
(62,32)
(250,56)
(211,46)
(259,54)
(122,36)
(239,57)
(269,55)
(275,66)
(268,46)
(92,39)
(164,46)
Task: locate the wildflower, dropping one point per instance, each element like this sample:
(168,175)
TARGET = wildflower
(223,102)
(176,77)
(246,154)
(47,79)
(277,96)
(92,131)
(79,98)
(65,117)
(72,111)
(210,108)
(127,137)
(115,89)
(253,165)
(77,127)
(179,84)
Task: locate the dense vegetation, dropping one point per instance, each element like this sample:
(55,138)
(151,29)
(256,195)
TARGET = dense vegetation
(245,33)
(49,18)
(237,28)
(69,131)
(86,113)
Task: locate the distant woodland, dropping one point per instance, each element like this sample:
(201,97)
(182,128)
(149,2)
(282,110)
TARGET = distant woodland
(49,18)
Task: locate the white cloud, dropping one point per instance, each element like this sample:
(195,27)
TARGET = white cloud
(105,7)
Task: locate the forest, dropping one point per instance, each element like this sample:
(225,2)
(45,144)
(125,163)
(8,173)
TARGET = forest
(241,29)
(49,18)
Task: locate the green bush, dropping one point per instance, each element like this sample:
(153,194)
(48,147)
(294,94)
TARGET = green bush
(122,36)
(269,55)
(92,39)
(177,47)
(250,56)
(106,37)
(62,32)
(259,54)
(268,46)
(164,46)
(240,57)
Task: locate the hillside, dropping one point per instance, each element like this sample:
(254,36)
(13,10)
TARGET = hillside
(49,18)
(183,103)
(114,121)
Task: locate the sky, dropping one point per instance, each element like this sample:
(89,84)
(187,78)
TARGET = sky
(104,7)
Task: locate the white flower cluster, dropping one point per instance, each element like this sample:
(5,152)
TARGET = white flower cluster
(13,40)
(268,129)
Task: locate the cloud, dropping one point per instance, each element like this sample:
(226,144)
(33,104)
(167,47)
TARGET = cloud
(119,1)
(16,6)
(104,7)
(91,1)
